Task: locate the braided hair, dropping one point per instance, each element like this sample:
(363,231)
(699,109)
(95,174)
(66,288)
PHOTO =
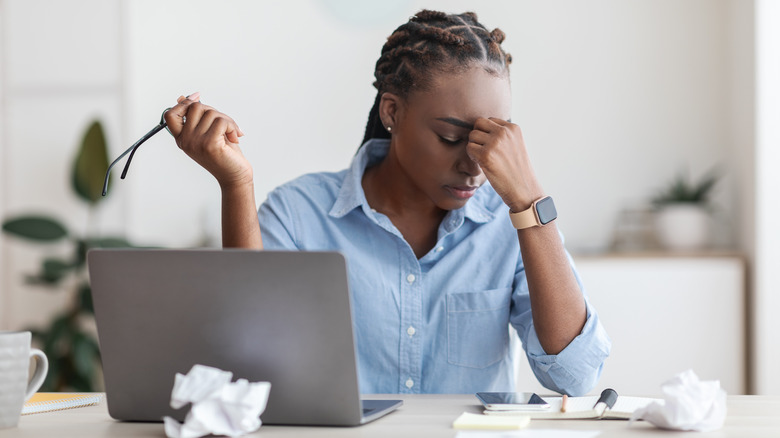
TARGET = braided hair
(429,42)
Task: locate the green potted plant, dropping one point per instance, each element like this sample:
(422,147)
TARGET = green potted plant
(683,212)
(71,347)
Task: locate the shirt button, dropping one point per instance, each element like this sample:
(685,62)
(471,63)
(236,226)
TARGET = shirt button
(440,249)
(411,331)
(409,383)
(410,278)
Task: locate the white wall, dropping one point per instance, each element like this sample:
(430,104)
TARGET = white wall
(767,238)
(60,70)
(3,295)
(742,116)
(614,98)
(296,79)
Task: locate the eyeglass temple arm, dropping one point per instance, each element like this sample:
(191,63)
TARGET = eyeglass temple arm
(148,135)
(131,151)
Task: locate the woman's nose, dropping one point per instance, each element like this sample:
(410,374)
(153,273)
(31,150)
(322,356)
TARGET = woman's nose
(468,166)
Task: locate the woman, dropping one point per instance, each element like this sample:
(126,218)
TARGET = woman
(437,269)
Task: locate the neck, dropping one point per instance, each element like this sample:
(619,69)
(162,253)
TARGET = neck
(390,191)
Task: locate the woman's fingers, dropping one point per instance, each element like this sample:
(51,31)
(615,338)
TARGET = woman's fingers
(190,119)
(192,123)
(175,116)
(479,137)
(216,133)
(498,147)
(205,117)
(482,139)
(210,138)
(489,125)
(195,97)
(487,134)
(232,133)
(210,122)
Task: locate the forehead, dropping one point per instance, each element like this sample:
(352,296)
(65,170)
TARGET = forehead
(465,95)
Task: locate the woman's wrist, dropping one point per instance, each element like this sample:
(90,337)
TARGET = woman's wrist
(518,202)
(237,183)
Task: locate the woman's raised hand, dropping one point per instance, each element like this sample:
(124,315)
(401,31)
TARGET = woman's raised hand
(499,149)
(211,139)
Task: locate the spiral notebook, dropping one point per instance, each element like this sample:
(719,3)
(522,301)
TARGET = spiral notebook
(57,401)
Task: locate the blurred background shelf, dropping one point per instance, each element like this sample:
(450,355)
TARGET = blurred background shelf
(665,313)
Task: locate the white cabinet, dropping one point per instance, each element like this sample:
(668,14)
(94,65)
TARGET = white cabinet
(665,314)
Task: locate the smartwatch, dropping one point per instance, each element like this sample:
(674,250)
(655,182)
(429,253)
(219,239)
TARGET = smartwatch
(541,212)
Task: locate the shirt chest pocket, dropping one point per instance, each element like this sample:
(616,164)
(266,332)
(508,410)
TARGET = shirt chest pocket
(478,327)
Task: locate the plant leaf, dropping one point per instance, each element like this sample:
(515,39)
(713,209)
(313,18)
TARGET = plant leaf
(40,228)
(54,269)
(80,382)
(53,376)
(85,299)
(109,242)
(83,355)
(56,345)
(37,334)
(705,187)
(41,280)
(681,190)
(80,253)
(59,330)
(90,165)
(65,367)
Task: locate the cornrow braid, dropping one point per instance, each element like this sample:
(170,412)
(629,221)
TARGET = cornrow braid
(430,42)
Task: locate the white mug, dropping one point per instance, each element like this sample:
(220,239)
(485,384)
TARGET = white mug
(15,385)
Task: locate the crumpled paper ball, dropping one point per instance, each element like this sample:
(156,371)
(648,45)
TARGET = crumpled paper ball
(689,404)
(219,407)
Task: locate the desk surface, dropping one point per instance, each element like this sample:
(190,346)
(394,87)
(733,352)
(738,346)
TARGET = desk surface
(421,415)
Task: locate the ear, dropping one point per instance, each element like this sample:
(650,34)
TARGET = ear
(390,107)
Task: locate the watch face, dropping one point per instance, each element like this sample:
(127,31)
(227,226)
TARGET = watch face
(545,210)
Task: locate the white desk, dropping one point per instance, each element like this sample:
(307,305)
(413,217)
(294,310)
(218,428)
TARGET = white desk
(420,416)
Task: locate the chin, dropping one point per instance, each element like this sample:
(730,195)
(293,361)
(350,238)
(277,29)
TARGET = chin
(452,204)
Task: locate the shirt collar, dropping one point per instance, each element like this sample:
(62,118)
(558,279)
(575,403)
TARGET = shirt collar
(351,195)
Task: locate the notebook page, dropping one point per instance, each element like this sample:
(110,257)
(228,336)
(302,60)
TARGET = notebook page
(582,407)
(626,405)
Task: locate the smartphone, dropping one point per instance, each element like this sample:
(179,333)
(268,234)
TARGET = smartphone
(512,401)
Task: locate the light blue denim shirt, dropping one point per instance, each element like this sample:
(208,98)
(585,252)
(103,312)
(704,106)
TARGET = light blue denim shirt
(439,324)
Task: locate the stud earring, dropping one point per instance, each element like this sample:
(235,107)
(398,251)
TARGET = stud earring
(389,129)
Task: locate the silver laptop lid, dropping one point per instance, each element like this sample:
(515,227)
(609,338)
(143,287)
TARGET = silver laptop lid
(282,317)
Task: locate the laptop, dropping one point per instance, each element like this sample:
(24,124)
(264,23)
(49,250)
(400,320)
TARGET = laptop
(278,316)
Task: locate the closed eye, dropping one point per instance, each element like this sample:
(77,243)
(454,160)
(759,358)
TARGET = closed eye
(450,141)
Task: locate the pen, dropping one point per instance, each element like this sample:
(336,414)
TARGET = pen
(606,400)
(563,402)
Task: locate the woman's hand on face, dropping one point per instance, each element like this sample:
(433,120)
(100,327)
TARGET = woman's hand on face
(210,138)
(499,149)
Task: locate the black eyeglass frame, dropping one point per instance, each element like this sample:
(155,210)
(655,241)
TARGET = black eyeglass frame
(131,150)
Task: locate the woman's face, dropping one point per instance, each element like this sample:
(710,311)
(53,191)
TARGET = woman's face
(431,130)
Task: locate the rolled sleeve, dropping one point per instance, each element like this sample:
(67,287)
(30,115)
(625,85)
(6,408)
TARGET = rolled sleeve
(576,369)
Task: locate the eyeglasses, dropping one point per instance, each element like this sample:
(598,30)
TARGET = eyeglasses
(131,150)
